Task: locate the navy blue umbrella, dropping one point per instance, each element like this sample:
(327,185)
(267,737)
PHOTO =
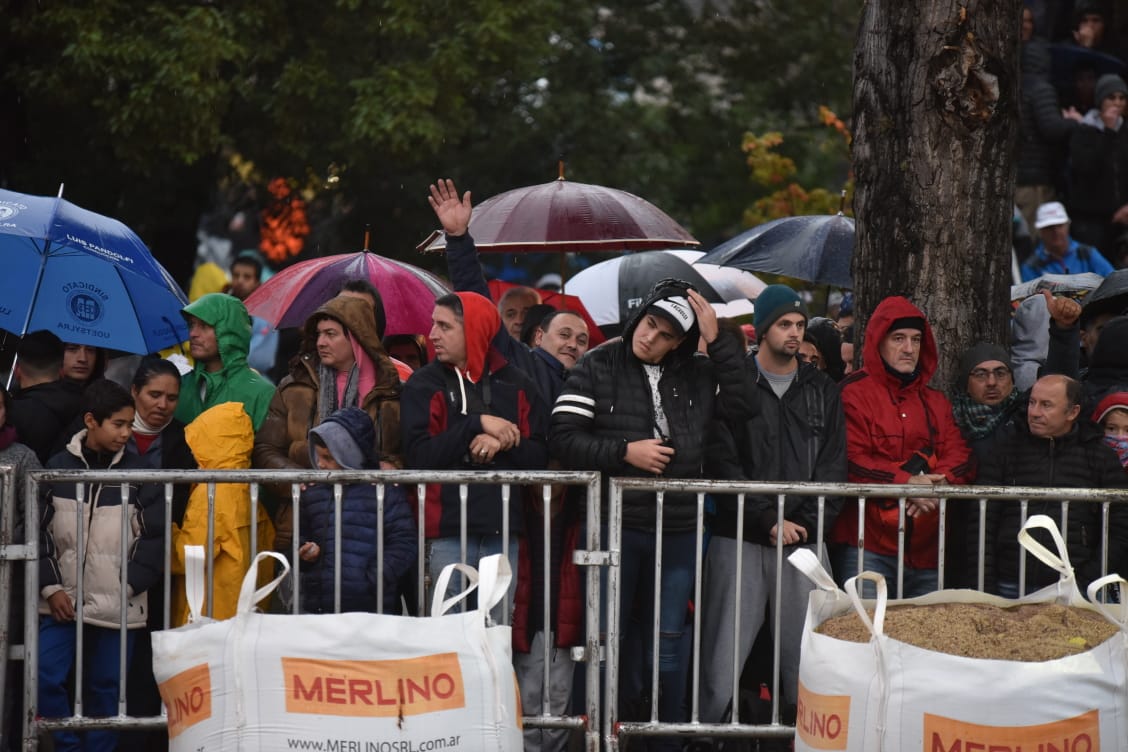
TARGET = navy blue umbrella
(815,248)
(84,277)
(1067,59)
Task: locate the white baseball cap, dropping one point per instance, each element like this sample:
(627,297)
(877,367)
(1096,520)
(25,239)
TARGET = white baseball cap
(1050,214)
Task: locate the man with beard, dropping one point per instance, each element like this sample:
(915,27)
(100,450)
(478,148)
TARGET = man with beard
(795,432)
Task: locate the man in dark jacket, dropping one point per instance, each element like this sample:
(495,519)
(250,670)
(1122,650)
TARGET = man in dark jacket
(988,408)
(562,341)
(900,431)
(45,404)
(1058,449)
(1098,159)
(796,433)
(639,406)
(1043,133)
(470,409)
(547,366)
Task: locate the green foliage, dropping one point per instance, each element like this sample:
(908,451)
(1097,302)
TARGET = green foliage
(775,172)
(141,105)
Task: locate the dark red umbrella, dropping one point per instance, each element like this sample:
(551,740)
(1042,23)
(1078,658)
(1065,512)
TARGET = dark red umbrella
(290,296)
(566,217)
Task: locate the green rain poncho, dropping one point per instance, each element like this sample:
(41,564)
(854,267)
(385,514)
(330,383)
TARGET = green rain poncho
(235,382)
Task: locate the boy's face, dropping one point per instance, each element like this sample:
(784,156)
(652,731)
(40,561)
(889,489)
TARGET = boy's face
(325,459)
(1116,424)
(111,434)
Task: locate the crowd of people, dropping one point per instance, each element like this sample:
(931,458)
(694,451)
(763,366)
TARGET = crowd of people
(679,395)
(1073,147)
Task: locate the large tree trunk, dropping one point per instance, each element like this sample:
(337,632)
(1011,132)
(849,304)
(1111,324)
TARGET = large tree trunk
(935,122)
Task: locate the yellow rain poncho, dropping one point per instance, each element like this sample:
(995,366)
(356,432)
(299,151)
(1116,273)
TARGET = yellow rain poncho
(220,438)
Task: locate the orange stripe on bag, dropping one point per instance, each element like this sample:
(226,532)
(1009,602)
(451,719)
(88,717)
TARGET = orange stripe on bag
(823,721)
(1081,733)
(374,689)
(188,698)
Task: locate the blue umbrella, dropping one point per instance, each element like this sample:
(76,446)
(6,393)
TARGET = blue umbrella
(815,248)
(84,277)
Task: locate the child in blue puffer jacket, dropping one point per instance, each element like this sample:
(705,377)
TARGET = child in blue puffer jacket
(344,441)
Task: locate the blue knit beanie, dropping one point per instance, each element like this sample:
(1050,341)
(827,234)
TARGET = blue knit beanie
(775,301)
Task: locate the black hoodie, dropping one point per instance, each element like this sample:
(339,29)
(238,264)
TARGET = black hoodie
(606,403)
(1108,366)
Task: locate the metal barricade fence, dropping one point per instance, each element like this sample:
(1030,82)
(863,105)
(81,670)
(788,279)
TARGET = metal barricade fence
(591,558)
(615,729)
(11,552)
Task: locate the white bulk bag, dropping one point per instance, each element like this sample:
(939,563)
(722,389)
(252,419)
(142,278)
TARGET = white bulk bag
(888,696)
(354,682)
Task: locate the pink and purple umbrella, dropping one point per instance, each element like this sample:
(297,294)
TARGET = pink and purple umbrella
(290,296)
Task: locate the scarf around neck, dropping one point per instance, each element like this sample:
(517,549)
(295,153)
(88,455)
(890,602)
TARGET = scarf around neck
(977,420)
(143,428)
(341,389)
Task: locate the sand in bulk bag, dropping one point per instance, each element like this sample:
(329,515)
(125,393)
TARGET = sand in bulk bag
(838,680)
(354,682)
(919,699)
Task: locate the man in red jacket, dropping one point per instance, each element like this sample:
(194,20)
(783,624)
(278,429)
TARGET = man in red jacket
(901,431)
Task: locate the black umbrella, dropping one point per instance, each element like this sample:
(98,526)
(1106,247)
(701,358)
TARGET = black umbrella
(815,248)
(1111,296)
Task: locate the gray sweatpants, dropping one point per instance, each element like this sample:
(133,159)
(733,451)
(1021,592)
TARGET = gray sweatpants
(718,615)
(530,670)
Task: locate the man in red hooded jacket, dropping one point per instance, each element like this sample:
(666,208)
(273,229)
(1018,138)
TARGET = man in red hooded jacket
(470,409)
(900,431)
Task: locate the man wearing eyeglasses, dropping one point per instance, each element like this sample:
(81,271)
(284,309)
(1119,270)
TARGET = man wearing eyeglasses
(986,406)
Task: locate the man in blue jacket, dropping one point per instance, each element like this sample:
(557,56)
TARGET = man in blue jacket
(1058,253)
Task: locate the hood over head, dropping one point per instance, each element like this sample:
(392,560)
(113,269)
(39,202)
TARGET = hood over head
(826,337)
(232,324)
(889,311)
(663,289)
(356,315)
(349,435)
(222,437)
(1114,401)
(480,322)
(1111,352)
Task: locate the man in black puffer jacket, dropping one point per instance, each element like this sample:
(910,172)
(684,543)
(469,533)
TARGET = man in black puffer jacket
(639,406)
(1059,449)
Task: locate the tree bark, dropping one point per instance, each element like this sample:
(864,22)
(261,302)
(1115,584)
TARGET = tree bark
(935,124)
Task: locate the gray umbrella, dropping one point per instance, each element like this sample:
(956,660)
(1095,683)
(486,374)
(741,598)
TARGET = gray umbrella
(815,248)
